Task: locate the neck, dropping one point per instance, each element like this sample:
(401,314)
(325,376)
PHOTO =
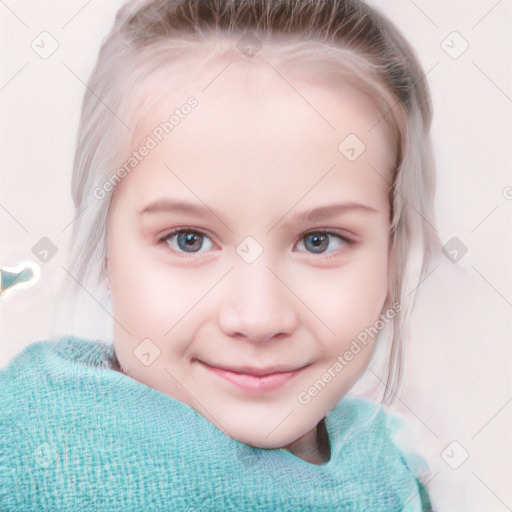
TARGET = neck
(313,446)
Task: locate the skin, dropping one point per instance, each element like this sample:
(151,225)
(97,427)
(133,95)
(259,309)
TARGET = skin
(256,153)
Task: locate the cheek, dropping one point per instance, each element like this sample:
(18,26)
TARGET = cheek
(150,297)
(351,297)
(133,292)
(367,285)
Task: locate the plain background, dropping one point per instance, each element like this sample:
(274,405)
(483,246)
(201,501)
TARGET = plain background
(458,386)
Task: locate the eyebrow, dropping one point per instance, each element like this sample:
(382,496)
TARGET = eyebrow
(310,215)
(328,211)
(168,205)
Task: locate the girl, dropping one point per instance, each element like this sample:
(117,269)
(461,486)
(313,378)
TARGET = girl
(254,183)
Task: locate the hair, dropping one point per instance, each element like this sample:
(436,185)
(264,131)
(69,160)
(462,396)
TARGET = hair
(347,41)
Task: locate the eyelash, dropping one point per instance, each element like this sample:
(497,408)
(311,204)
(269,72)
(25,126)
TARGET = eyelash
(164,241)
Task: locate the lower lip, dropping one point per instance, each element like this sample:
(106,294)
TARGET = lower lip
(253,383)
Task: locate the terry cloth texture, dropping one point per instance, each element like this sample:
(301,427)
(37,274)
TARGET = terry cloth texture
(76,435)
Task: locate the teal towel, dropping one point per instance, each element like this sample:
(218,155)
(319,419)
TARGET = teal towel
(78,435)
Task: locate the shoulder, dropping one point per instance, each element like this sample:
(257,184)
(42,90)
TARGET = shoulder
(370,419)
(68,349)
(47,366)
(373,436)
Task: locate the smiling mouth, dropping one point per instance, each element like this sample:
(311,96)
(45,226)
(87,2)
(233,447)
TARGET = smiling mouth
(254,380)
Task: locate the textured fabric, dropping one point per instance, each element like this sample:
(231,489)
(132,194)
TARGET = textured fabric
(78,435)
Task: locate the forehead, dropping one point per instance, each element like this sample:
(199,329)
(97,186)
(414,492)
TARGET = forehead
(215,71)
(257,130)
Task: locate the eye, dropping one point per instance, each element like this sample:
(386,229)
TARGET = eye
(187,241)
(318,242)
(191,241)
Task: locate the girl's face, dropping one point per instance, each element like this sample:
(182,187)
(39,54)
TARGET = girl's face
(249,242)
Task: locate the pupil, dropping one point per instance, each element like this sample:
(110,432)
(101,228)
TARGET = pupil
(188,240)
(319,243)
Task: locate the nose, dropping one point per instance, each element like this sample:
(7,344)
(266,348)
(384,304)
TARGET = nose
(256,304)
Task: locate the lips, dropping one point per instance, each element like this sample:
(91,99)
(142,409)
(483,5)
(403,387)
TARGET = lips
(258,372)
(255,380)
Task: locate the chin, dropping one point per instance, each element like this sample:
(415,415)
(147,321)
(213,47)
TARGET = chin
(259,441)
(265,436)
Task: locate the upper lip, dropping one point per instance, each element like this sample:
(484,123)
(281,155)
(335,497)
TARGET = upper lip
(259,372)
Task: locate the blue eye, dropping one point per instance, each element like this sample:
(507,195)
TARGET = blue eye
(191,241)
(320,241)
(187,240)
